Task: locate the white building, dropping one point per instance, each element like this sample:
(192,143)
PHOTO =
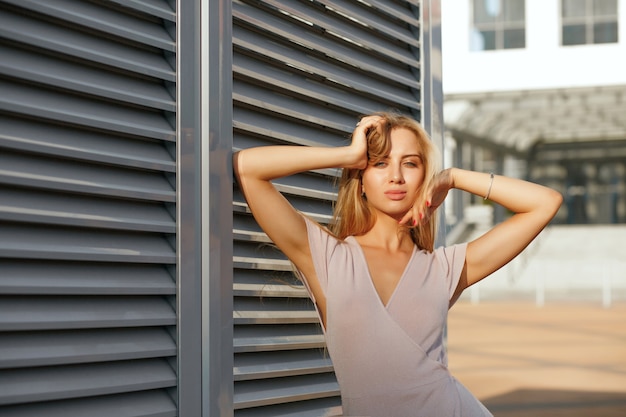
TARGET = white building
(541,82)
(554,53)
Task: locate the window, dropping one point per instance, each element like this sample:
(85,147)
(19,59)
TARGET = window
(588,22)
(498,24)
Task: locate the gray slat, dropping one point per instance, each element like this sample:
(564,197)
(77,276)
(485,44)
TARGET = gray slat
(287,389)
(26,349)
(327,407)
(60,312)
(395,10)
(281,364)
(275,343)
(75,381)
(156,8)
(153,403)
(18,169)
(49,104)
(78,210)
(72,278)
(274,317)
(261,263)
(86,145)
(269,290)
(20,242)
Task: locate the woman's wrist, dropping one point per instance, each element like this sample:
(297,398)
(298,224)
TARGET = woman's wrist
(354,158)
(450,176)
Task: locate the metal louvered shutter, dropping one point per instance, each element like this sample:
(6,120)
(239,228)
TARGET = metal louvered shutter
(303,73)
(87,208)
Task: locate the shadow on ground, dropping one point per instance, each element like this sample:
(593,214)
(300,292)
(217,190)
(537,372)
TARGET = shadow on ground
(556,403)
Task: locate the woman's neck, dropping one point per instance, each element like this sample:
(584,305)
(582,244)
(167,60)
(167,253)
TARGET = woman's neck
(389,235)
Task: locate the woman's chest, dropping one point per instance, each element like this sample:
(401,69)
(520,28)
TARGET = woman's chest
(385,271)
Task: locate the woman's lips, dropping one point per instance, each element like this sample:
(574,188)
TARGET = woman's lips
(395,194)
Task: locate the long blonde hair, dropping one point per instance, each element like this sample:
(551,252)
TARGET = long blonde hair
(352,215)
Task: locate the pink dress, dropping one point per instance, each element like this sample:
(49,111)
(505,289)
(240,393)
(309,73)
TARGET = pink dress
(390,360)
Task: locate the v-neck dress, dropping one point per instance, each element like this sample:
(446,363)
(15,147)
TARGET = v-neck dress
(390,360)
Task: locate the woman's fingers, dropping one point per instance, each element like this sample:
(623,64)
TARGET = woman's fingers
(359,140)
(417,214)
(359,143)
(407,219)
(366,123)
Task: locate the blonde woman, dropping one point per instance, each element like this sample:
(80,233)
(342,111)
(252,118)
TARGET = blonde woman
(381,289)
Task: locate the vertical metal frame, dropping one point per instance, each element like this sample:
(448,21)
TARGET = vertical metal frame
(217,208)
(204,211)
(432,83)
(188,213)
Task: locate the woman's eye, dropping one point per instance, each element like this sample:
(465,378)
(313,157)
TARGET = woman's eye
(380,164)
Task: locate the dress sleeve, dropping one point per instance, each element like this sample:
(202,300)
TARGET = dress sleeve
(322,246)
(451,260)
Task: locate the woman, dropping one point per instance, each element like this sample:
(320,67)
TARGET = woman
(381,290)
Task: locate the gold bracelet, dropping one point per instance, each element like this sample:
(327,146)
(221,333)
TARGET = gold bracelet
(490,184)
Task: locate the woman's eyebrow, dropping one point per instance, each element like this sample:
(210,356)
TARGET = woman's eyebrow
(413,155)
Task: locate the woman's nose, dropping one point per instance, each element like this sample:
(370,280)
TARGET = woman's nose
(396,176)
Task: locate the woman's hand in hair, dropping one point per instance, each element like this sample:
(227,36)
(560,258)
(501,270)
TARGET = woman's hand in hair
(359,140)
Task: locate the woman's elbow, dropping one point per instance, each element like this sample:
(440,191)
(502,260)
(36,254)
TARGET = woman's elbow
(552,202)
(238,166)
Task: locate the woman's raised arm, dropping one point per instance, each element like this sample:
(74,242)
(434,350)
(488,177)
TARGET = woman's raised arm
(534,206)
(255,168)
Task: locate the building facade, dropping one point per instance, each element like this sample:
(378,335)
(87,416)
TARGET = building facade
(537,88)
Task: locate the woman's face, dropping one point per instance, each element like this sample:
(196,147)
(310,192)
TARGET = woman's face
(391,185)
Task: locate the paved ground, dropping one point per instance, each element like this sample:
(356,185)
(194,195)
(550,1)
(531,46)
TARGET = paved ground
(557,360)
